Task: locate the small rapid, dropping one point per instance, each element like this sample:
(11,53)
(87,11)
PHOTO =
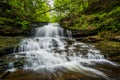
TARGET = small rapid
(52,49)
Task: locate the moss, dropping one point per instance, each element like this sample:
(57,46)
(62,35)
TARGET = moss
(101,15)
(104,18)
(109,45)
(6,41)
(13,22)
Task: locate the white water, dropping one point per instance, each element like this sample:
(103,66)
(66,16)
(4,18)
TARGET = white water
(53,49)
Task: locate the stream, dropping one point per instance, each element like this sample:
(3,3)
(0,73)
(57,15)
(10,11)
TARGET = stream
(52,54)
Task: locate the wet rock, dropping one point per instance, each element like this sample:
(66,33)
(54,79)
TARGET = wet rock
(116,58)
(93,38)
(6,50)
(89,39)
(116,38)
(5,74)
(83,33)
(108,50)
(7,44)
(3,65)
(38,24)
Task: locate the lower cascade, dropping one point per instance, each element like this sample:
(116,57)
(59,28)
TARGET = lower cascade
(52,50)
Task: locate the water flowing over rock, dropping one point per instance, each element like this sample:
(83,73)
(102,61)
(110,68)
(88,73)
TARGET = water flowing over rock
(52,50)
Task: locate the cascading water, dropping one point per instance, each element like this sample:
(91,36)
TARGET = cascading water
(52,50)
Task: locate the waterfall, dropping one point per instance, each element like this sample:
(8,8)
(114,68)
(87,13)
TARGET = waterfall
(52,49)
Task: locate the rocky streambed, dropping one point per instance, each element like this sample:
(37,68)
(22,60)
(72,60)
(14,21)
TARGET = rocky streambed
(107,43)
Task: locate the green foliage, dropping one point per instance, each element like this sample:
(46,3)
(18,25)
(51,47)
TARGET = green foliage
(23,12)
(75,13)
(106,18)
(101,16)
(24,24)
(41,14)
(67,7)
(6,19)
(34,8)
(114,11)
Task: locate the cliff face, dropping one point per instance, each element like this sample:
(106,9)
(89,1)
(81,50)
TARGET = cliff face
(10,28)
(98,24)
(101,15)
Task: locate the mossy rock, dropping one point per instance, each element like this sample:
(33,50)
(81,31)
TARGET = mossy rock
(7,44)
